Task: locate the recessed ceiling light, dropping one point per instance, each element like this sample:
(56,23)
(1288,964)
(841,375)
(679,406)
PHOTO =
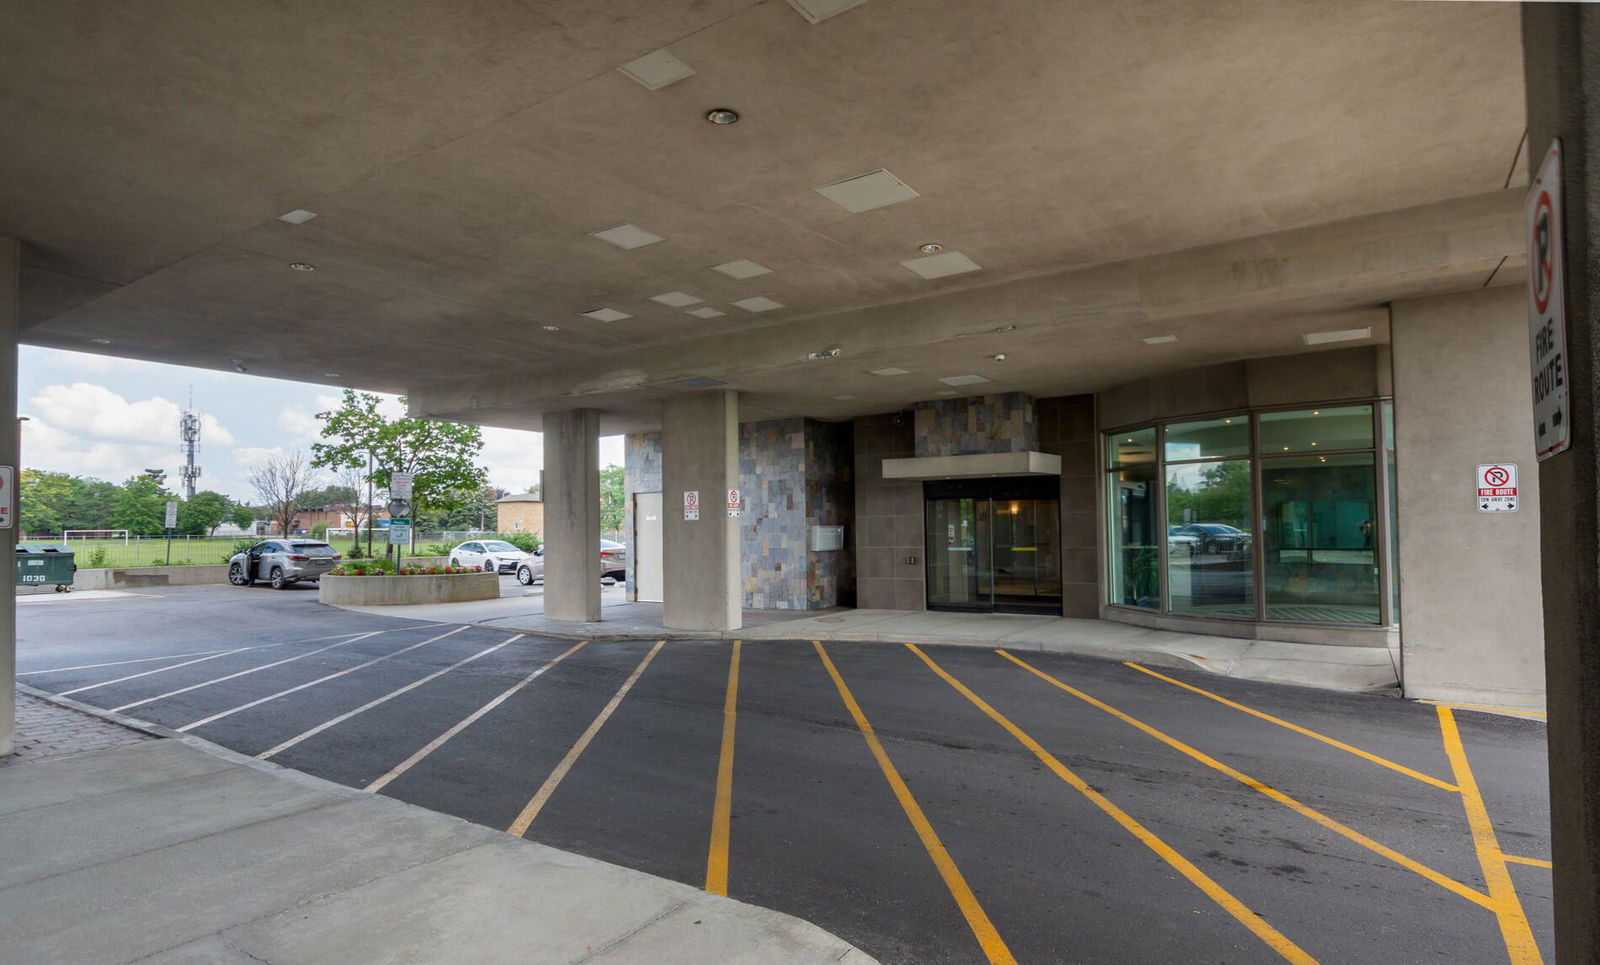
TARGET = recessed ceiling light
(877,189)
(1000,358)
(843,398)
(930,249)
(940,266)
(330,375)
(297,216)
(705,311)
(722,115)
(605,315)
(551,328)
(963,380)
(742,268)
(816,11)
(676,299)
(1159,339)
(627,236)
(302,266)
(101,341)
(1345,335)
(759,303)
(656,70)
(890,370)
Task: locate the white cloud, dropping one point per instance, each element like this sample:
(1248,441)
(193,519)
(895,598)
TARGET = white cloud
(100,413)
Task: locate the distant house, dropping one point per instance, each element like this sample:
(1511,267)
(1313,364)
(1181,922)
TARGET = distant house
(521,513)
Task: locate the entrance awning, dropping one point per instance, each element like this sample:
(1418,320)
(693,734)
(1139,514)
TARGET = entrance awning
(978,464)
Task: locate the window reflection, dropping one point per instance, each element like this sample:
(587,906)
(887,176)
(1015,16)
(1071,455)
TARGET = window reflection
(1209,554)
(1320,550)
(1135,550)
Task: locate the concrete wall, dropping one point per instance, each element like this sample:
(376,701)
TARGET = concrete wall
(1067,429)
(407,590)
(1471,623)
(888,518)
(700,453)
(135,576)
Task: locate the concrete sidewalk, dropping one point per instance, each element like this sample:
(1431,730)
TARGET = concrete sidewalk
(177,852)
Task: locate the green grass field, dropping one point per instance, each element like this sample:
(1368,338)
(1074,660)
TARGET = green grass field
(146,551)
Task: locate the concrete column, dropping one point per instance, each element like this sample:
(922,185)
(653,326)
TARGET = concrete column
(1561,69)
(572,515)
(10,261)
(700,453)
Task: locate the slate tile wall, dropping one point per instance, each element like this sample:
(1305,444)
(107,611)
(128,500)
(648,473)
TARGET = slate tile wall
(830,501)
(976,424)
(772,527)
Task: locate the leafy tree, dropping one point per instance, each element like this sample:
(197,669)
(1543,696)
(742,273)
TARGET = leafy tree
(441,456)
(243,516)
(613,501)
(200,515)
(1220,495)
(45,500)
(280,481)
(474,510)
(141,507)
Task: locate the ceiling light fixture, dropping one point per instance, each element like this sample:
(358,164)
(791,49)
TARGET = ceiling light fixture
(758,303)
(930,249)
(656,70)
(101,341)
(330,375)
(722,115)
(963,380)
(297,216)
(941,266)
(889,370)
(627,236)
(238,366)
(302,266)
(605,315)
(1343,335)
(551,328)
(677,299)
(1006,328)
(827,353)
(742,268)
(1001,357)
(816,11)
(875,189)
(1159,339)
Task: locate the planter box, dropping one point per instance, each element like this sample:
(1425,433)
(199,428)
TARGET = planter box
(404,590)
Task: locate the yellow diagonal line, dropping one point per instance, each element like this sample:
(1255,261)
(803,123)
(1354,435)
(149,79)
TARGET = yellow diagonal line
(1233,906)
(1365,755)
(1532,862)
(994,947)
(1438,878)
(1520,945)
(722,811)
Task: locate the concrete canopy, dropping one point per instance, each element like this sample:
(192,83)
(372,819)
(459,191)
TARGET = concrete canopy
(1234,173)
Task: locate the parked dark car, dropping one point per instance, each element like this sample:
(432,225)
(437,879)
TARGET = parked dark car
(1214,537)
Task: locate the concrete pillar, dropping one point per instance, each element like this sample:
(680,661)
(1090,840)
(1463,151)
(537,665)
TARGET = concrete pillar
(1561,69)
(700,453)
(572,515)
(10,261)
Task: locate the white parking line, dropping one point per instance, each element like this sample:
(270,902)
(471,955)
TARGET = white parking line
(120,663)
(264,755)
(175,666)
(284,693)
(241,673)
(466,722)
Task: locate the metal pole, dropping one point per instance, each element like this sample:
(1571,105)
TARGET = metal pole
(369,508)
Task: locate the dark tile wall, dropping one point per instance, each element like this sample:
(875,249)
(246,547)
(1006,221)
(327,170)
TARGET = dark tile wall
(831,501)
(976,424)
(888,526)
(1067,428)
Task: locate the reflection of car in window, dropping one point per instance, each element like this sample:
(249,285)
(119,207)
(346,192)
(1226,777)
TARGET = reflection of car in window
(1211,537)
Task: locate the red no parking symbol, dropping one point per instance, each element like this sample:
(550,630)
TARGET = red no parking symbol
(1496,476)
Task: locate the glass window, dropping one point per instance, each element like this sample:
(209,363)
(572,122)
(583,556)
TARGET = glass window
(1307,430)
(1134,448)
(1319,540)
(1227,436)
(1210,567)
(1135,546)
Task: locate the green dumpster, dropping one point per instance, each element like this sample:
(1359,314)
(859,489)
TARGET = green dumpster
(45,564)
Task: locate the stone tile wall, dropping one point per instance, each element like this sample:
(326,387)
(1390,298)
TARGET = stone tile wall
(1067,428)
(976,424)
(830,501)
(888,529)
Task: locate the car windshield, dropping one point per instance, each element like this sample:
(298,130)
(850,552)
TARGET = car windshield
(499,546)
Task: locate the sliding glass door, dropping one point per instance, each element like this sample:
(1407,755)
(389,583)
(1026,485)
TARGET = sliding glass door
(994,545)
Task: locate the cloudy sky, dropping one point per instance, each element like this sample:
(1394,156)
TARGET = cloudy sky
(110,418)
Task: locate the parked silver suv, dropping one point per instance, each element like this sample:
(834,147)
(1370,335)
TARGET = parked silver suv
(282,562)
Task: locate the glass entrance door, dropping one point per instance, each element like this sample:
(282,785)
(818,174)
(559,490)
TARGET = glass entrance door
(994,545)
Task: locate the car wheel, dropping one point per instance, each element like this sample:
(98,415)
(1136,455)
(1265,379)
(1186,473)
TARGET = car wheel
(490,566)
(524,576)
(236,576)
(279,581)
(455,562)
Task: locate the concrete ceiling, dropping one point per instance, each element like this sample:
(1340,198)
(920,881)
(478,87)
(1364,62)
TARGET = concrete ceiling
(458,155)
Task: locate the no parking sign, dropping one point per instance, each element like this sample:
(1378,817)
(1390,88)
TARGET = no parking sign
(1497,487)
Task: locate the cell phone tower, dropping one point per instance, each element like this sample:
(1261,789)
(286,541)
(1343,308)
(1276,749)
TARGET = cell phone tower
(189,429)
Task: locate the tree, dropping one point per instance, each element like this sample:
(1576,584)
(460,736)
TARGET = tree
(280,481)
(141,506)
(203,513)
(45,500)
(351,483)
(613,501)
(1220,494)
(441,456)
(243,516)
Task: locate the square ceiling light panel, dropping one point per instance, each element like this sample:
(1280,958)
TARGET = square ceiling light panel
(759,303)
(1345,335)
(889,370)
(963,380)
(1159,339)
(656,70)
(742,268)
(706,311)
(606,315)
(297,216)
(677,299)
(816,11)
(627,236)
(876,190)
(940,266)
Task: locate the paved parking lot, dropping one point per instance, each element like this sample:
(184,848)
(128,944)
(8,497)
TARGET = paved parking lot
(927,804)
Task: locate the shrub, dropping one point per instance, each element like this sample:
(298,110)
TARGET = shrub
(527,542)
(319,531)
(437,549)
(97,558)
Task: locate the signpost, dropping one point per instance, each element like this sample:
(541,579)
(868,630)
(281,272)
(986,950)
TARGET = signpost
(1497,487)
(172,522)
(1547,316)
(400,485)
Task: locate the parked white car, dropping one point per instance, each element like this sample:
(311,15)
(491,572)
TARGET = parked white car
(494,555)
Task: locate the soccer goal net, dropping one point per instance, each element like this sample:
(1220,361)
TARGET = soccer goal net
(88,534)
